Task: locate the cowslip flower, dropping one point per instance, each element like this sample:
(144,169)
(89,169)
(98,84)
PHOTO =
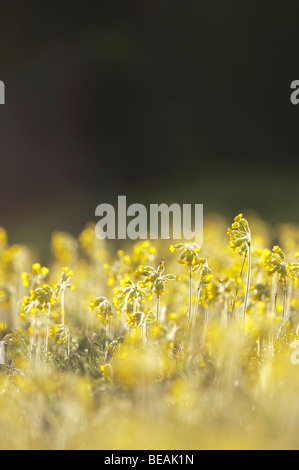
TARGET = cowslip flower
(36,277)
(293,269)
(189,255)
(240,239)
(275,262)
(102,308)
(239,234)
(155,280)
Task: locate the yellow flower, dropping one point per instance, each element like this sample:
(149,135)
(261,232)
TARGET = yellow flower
(238,218)
(3,237)
(25,279)
(36,268)
(239,235)
(275,262)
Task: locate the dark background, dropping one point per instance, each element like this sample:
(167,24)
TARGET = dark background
(163,101)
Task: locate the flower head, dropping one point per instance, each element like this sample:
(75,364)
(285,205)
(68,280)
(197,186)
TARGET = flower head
(239,234)
(155,279)
(275,262)
(36,277)
(189,255)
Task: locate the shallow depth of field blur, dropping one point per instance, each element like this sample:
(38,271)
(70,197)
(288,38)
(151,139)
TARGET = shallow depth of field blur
(104,350)
(149,345)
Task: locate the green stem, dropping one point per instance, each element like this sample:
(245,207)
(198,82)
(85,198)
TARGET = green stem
(106,342)
(190,295)
(62,307)
(247,287)
(237,290)
(68,345)
(193,323)
(32,335)
(47,328)
(284,298)
(205,328)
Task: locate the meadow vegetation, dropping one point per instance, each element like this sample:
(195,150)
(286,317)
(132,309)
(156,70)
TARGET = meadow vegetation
(155,345)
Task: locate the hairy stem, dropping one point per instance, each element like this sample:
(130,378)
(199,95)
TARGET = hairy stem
(190,296)
(62,307)
(284,298)
(47,329)
(247,287)
(237,289)
(205,329)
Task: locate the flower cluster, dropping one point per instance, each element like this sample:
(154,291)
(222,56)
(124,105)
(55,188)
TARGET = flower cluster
(239,234)
(102,308)
(36,307)
(293,269)
(127,339)
(189,255)
(155,279)
(36,277)
(275,262)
